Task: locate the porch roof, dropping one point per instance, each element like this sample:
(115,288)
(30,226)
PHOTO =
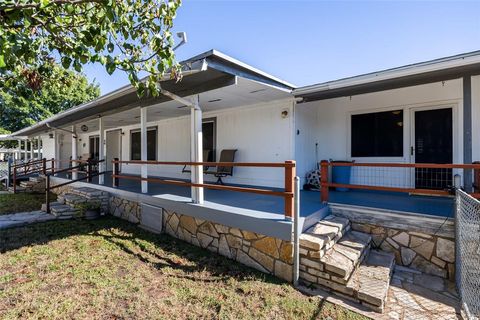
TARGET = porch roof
(206,72)
(442,69)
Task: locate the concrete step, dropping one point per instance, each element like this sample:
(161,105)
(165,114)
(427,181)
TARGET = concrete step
(89,193)
(19,189)
(342,259)
(371,280)
(319,238)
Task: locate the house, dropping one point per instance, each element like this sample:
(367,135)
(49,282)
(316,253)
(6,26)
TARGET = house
(408,134)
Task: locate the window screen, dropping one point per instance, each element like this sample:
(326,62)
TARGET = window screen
(378,134)
(136,147)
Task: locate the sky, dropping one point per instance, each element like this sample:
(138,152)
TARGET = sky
(307,42)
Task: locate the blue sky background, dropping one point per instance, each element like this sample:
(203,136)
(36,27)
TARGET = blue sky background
(306,42)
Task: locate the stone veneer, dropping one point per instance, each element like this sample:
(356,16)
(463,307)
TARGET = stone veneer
(126,209)
(428,253)
(264,253)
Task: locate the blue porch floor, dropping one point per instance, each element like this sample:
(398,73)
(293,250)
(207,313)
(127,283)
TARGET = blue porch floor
(310,200)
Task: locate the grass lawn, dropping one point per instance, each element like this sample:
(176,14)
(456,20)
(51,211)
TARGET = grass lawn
(110,269)
(22,202)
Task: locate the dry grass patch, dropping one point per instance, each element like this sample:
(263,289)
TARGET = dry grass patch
(110,269)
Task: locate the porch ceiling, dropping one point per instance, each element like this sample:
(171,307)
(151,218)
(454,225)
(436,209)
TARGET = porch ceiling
(242,93)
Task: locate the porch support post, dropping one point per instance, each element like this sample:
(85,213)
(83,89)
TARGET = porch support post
(32,152)
(74,153)
(25,154)
(101,154)
(196,154)
(39,153)
(467,131)
(143,143)
(18,154)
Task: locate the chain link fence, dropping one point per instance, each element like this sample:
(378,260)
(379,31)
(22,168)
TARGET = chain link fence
(467,222)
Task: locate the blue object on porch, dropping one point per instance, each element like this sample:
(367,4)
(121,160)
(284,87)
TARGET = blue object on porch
(341,174)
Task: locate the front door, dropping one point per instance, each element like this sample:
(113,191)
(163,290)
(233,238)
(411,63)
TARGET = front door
(433,144)
(113,141)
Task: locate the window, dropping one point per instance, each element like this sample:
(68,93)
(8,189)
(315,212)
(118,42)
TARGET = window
(94,147)
(136,146)
(378,134)
(209,129)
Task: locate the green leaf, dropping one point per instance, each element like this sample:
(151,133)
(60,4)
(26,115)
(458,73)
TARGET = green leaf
(66,61)
(110,67)
(2,61)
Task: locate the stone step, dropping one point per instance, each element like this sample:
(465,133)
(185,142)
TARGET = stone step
(19,189)
(371,280)
(63,210)
(342,259)
(38,179)
(89,193)
(316,240)
(71,199)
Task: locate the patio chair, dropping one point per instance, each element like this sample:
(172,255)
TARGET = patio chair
(220,172)
(206,158)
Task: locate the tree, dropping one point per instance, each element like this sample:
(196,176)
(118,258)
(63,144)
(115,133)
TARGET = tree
(130,35)
(62,90)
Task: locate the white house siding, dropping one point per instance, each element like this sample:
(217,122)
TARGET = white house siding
(259,133)
(332,127)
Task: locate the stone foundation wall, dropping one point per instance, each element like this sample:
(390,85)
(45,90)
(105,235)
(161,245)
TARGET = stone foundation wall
(425,252)
(264,253)
(126,209)
(267,254)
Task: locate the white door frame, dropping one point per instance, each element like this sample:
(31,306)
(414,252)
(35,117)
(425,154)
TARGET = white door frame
(455,142)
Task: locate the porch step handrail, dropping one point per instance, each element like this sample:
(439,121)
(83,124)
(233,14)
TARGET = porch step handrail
(29,168)
(325,184)
(89,175)
(288,166)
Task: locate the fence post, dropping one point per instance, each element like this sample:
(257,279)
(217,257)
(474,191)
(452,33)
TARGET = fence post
(296,233)
(47,194)
(289,187)
(53,165)
(44,166)
(116,170)
(89,170)
(324,180)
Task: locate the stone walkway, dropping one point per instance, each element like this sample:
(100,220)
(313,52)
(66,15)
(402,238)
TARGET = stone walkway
(25,218)
(417,296)
(412,295)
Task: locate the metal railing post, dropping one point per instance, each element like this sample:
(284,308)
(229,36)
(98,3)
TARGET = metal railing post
(289,177)
(44,166)
(47,194)
(324,180)
(116,169)
(296,232)
(14,179)
(9,168)
(53,166)
(89,170)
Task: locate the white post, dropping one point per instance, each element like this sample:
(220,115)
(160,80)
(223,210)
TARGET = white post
(39,153)
(25,151)
(143,143)
(101,153)
(32,152)
(74,153)
(19,150)
(196,153)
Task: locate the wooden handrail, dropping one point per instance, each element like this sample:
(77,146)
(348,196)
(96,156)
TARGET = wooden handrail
(288,166)
(325,184)
(208,186)
(212,164)
(406,165)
